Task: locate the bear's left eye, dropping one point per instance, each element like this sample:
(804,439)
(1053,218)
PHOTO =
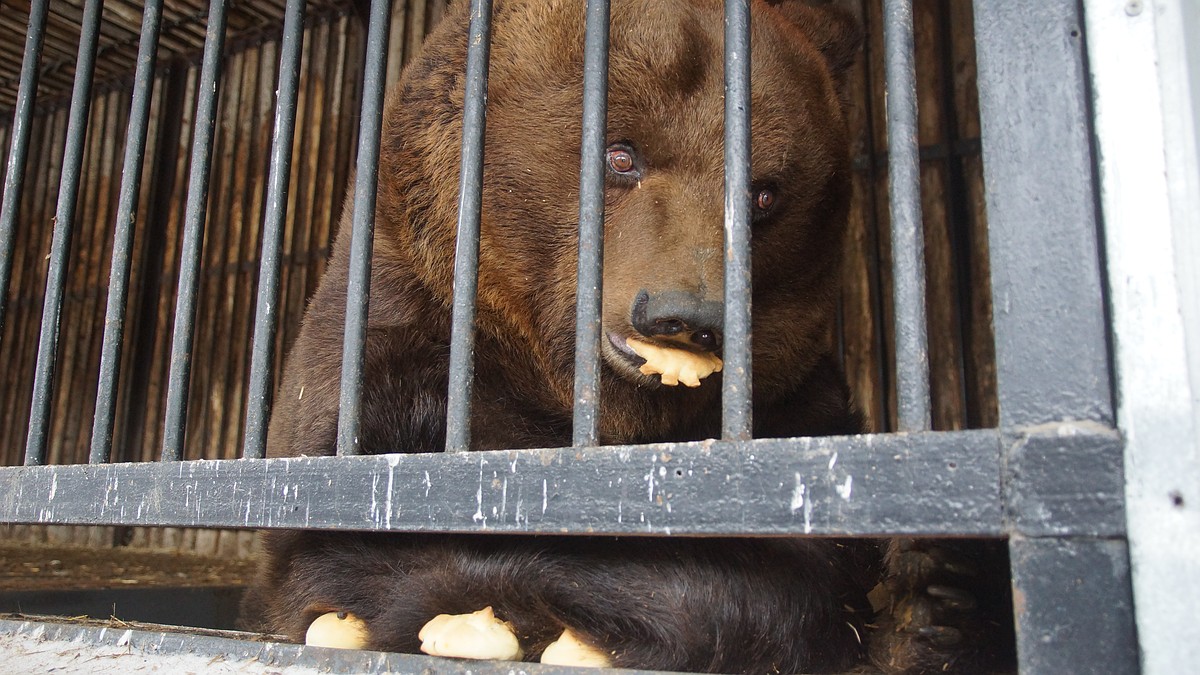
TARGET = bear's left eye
(622,160)
(764,200)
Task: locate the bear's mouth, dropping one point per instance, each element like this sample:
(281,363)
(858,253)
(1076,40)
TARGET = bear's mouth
(628,363)
(618,345)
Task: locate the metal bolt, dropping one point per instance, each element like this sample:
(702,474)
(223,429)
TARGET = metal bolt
(1133,7)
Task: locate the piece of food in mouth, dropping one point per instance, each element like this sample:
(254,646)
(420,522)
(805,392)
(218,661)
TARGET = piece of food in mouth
(675,365)
(479,635)
(339,630)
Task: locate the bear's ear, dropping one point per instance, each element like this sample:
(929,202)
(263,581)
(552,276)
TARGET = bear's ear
(834,31)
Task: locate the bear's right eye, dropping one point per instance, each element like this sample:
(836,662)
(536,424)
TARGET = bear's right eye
(621,160)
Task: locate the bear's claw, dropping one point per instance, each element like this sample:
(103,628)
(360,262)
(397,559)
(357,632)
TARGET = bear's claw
(569,650)
(479,635)
(337,630)
(928,622)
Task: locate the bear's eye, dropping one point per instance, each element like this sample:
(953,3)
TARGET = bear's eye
(765,199)
(621,160)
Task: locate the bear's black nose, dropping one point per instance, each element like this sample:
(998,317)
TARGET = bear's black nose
(680,315)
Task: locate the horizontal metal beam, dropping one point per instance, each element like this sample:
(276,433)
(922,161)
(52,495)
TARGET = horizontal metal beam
(937,483)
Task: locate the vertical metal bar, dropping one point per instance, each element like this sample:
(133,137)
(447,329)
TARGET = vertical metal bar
(588,296)
(1051,345)
(19,147)
(737,421)
(266,313)
(60,247)
(118,278)
(908,238)
(466,254)
(358,287)
(1076,608)
(195,211)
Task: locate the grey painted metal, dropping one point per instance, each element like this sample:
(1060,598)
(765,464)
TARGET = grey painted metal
(908,233)
(358,289)
(60,246)
(588,295)
(1074,611)
(195,212)
(133,648)
(737,421)
(1073,594)
(14,176)
(1146,97)
(266,313)
(1051,351)
(1065,479)
(466,254)
(118,276)
(931,483)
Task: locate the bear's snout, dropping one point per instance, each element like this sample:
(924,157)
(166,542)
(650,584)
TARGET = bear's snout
(679,316)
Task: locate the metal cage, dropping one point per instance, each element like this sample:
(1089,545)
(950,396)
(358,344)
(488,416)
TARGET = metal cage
(1088,114)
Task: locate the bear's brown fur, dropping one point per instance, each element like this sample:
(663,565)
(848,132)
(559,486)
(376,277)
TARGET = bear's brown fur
(731,605)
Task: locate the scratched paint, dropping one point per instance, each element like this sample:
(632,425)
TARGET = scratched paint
(843,490)
(798,493)
(392,462)
(479,518)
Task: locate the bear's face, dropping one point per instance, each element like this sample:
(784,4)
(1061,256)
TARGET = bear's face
(663,238)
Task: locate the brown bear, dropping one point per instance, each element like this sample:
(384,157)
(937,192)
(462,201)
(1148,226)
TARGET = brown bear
(765,605)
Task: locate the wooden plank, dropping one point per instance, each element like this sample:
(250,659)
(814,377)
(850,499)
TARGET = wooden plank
(207,404)
(100,253)
(861,331)
(979,340)
(68,347)
(40,230)
(291,280)
(347,136)
(251,234)
(942,310)
(25,305)
(157,385)
(236,304)
(12,349)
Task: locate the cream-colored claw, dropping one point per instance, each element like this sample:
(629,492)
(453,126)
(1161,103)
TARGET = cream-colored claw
(479,635)
(675,365)
(568,650)
(340,630)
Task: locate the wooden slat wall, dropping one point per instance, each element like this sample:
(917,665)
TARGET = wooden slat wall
(182,36)
(961,357)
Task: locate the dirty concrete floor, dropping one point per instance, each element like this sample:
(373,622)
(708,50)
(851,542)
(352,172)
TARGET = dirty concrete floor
(25,567)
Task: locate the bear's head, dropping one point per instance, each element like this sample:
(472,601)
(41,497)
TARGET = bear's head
(663,237)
